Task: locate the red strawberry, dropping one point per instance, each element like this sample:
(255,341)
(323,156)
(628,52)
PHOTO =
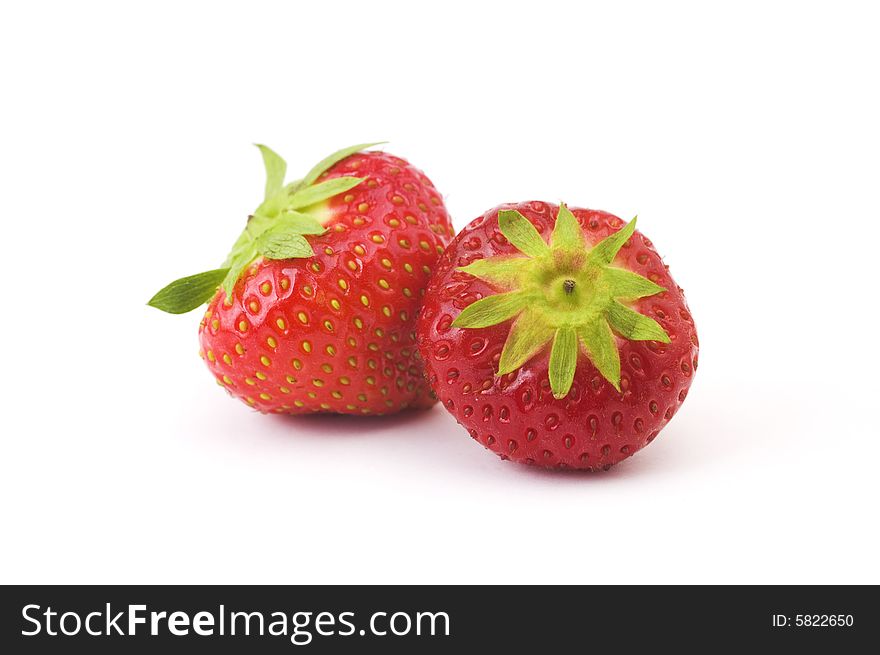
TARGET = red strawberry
(318,299)
(557,337)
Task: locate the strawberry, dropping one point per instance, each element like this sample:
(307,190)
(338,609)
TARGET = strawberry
(557,337)
(317,300)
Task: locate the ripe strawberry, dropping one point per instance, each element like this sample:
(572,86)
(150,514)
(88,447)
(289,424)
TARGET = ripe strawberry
(318,299)
(557,337)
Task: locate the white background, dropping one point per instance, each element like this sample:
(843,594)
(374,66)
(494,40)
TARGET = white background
(746,138)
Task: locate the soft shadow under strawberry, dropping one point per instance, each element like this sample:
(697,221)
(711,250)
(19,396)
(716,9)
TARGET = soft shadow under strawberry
(326,423)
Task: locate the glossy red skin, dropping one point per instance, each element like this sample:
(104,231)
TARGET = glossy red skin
(515,415)
(396,214)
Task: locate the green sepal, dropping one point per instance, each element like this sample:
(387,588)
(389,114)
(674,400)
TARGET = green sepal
(627,285)
(292,187)
(606,250)
(521,233)
(491,310)
(501,271)
(284,239)
(239,263)
(283,245)
(276,169)
(563,361)
(310,195)
(323,165)
(598,340)
(244,243)
(298,223)
(528,336)
(567,234)
(635,326)
(187,293)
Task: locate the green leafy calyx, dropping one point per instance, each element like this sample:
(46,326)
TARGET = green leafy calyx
(277,229)
(566,294)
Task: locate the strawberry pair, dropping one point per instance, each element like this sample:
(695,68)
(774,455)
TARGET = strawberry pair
(556,336)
